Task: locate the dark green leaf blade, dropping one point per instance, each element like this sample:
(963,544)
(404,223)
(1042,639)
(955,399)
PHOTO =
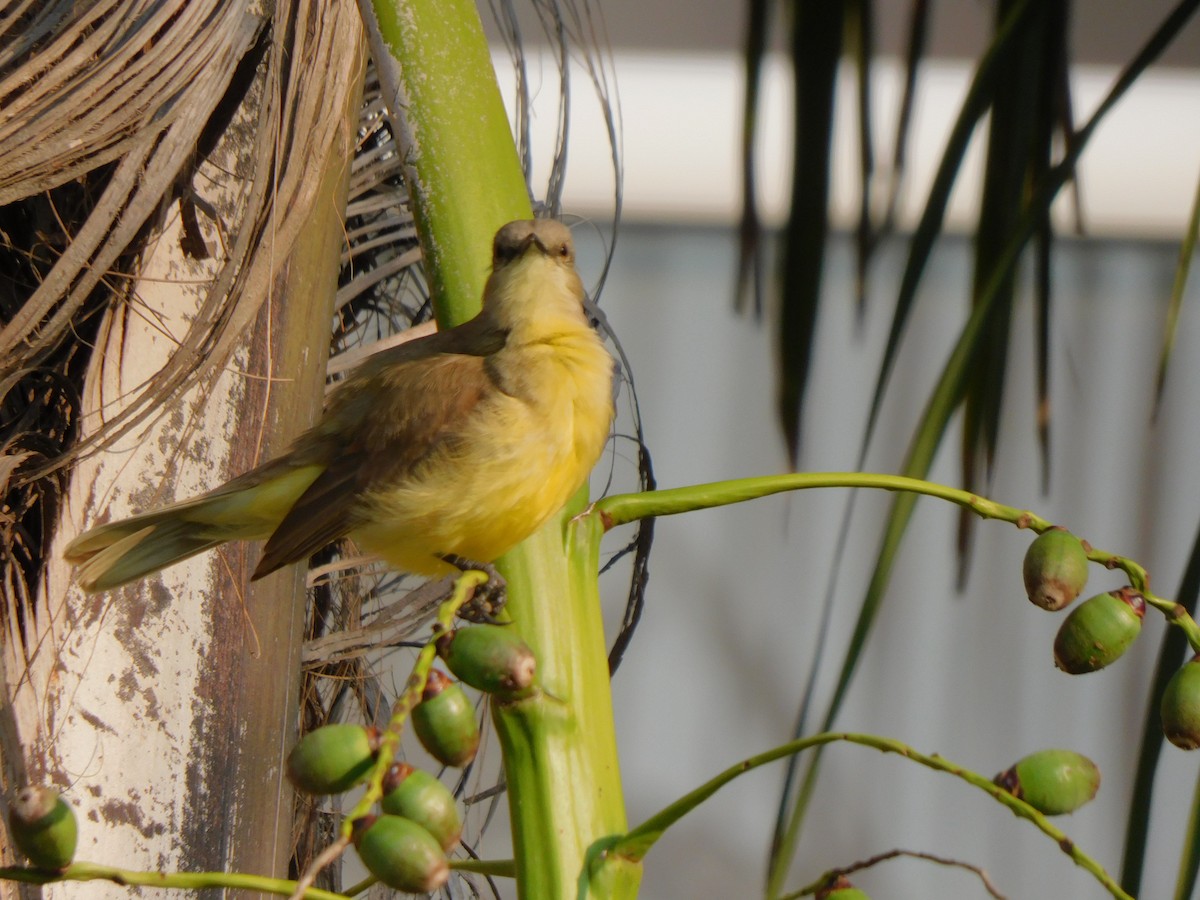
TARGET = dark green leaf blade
(817,30)
(749,280)
(860,22)
(975,105)
(918,38)
(1019,149)
(1186,251)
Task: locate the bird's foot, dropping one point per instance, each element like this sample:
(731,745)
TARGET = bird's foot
(489,598)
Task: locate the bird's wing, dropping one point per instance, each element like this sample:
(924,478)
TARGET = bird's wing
(321,515)
(375,433)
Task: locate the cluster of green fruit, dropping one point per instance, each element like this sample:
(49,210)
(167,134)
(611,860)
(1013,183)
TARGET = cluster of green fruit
(405,845)
(1102,628)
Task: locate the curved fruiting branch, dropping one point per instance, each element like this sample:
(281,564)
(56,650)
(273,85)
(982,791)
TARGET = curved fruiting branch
(621,509)
(86,871)
(389,743)
(636,843)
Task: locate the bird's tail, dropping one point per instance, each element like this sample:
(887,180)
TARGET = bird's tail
(245,509)
(111,555)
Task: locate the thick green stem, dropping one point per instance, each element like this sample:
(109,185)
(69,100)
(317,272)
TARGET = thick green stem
(465,181)
(560,751)
(462,170)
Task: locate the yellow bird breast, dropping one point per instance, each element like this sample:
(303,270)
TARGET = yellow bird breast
(516,459)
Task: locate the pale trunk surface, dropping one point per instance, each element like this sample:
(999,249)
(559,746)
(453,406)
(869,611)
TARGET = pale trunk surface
(163,710)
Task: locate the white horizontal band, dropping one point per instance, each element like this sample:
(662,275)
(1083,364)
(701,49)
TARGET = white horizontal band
(681,117)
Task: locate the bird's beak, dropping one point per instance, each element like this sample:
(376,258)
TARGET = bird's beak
(535,240)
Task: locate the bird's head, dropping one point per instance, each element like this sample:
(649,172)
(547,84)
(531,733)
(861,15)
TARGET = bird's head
(533,281)
(549,237)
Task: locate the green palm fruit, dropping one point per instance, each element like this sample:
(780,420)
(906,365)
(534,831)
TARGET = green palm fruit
(445,722)
(401,854)
(1180,707)
(841,889)
(1054,782)
(43,827)
(490,658)
(1099,631)
(417,795)
(1055,569)
(332,758)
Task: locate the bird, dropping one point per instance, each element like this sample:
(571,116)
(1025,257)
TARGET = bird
(436,455)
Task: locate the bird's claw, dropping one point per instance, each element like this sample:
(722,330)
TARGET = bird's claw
(488,598)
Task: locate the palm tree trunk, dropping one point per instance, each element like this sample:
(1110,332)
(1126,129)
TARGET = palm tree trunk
(166,707)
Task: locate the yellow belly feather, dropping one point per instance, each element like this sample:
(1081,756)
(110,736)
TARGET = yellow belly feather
(519,460)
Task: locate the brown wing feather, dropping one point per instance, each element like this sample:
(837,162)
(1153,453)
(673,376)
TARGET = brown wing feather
(323,514)
(381,424)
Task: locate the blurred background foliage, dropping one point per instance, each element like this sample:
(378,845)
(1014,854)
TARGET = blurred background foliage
(1020,97)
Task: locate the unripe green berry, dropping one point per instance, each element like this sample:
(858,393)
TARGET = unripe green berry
(1055,569)
(490,658)
(1054,782)
(332,759)
(1180,706)
(43,827)
(445,721)
(401,854)
(1099,631)
(415,794)
(841,889)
